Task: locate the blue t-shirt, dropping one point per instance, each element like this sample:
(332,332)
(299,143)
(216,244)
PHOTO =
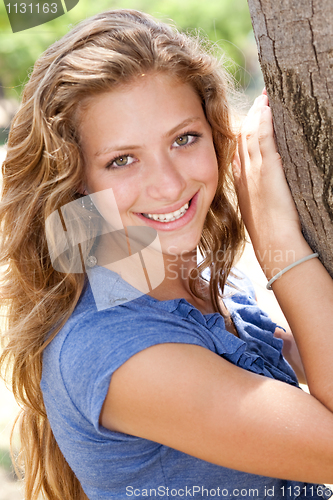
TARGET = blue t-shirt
(77,368)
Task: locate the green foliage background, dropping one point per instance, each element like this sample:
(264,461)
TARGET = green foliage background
(226,22)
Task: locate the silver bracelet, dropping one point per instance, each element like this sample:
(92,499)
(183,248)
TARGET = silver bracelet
(300,261)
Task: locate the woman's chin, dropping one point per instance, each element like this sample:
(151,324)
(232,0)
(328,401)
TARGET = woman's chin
(180,251)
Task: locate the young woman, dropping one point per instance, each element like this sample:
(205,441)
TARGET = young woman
(180,391)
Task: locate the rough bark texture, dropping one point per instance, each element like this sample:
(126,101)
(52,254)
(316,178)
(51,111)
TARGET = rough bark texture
(295,46)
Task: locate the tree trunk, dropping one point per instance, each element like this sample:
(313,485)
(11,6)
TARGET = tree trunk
(295,46)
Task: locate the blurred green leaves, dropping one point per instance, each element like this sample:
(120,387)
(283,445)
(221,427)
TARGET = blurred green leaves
(226,22)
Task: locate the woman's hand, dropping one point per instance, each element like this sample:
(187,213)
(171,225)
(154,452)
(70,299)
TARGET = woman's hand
(266,204)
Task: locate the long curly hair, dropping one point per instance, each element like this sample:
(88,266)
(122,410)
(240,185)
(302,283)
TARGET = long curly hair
(43,171)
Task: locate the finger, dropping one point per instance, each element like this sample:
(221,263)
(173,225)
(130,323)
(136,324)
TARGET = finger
(251,128)
(264,92)
(253,111)
(236,166)
(248,143)
(243,154)
(267,145)
(261,100)
(250,137)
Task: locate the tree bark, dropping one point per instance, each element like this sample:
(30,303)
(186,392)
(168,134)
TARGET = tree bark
(295,46)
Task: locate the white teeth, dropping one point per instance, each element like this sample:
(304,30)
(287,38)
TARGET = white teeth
(168,217)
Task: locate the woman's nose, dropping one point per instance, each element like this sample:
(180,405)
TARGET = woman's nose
(165,181)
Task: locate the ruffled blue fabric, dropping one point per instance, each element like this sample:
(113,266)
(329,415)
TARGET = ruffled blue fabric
(256,349)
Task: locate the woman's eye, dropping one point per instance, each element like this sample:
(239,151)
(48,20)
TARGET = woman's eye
(121,161)
(186,139)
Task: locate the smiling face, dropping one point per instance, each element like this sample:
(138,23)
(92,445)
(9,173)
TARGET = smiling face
(151,143)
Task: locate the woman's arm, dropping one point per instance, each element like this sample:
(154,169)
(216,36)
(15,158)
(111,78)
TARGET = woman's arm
(305,293)
(191,399)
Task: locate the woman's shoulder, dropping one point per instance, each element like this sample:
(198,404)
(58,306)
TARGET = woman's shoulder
(112,321)
(79,362)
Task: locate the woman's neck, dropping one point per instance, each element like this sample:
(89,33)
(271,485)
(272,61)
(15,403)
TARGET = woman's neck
(176,282)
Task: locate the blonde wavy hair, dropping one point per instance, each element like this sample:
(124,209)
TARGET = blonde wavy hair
(43,171)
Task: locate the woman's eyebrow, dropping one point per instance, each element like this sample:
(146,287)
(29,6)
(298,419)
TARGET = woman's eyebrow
(171,132)
(115,147)
(182,124)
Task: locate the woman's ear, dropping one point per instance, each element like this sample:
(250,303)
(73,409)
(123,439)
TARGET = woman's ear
(83,190)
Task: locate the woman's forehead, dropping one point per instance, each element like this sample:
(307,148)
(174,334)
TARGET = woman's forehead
(156,100)
(136,84)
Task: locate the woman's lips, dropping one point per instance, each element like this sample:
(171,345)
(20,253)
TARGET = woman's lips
(176,224)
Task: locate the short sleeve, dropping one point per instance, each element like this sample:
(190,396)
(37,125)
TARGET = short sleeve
(101,342)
